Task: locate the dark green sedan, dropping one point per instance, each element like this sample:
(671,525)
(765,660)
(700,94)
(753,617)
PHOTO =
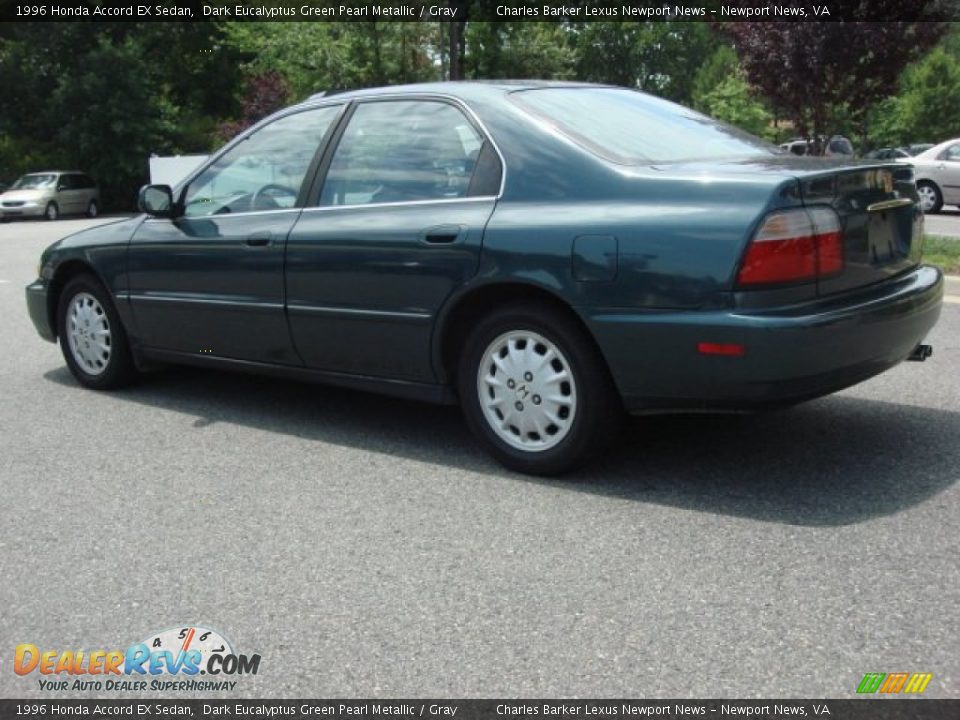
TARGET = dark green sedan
(546,254)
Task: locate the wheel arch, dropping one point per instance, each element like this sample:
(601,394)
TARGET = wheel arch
(460,315)
(64,273)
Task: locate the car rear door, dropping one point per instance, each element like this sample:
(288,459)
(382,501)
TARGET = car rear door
(210,282)
(402,201)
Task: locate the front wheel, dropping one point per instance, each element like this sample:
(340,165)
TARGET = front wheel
(92,209)
(930,198)
(52,212)
(92,338)
(535,390)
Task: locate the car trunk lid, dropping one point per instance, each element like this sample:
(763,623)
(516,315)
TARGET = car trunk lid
(881,222)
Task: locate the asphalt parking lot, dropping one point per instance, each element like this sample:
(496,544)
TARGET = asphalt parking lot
(366,547)
(946,222)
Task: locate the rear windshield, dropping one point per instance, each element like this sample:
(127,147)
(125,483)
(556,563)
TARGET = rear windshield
(630,127)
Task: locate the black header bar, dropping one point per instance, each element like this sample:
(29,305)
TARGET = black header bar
(484,10)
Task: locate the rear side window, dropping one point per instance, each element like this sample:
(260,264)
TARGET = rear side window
(629,127)
(404,151)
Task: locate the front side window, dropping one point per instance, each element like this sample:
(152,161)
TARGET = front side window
(403,151)
(264,171)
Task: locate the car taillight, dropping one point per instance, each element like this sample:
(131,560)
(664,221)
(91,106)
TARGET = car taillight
(793,246)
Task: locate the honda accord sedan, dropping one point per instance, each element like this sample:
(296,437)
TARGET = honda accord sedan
(547,255)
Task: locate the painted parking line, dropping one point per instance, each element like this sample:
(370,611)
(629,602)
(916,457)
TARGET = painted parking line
(953,299)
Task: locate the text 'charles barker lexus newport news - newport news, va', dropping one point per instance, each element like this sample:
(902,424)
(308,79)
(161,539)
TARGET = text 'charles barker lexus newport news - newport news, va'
(514,247)
(662,12)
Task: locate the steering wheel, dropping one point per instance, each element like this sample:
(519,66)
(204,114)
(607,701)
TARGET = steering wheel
(266,195)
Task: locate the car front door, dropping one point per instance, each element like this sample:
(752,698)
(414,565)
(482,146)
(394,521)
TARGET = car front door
(210,281)
(68,192)
(948,174)
(397,225)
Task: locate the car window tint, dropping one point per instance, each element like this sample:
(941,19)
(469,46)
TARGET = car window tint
(402,151)
(66,182)
(86,182)
(264,171)
(953,152)
(631,127)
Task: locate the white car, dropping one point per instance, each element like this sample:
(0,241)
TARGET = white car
(938,175)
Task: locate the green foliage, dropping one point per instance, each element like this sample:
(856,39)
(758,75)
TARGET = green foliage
(314,57)
(657,57)
(928,107)
(722,64)
(102,97)
(732,102)
(519,50)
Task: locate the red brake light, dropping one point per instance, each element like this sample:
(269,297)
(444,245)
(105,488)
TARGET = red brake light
(793,246)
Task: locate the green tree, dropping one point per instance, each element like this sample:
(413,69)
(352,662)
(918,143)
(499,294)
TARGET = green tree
(732,102)
(314,57)
(102,97)
(657,57)
(720,66)
(518,50)
(928,107)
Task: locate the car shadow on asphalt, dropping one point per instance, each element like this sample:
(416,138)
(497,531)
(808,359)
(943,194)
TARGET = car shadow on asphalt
(835,461)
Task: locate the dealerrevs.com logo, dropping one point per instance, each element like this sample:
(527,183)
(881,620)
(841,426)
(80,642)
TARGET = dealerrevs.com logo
(181,653)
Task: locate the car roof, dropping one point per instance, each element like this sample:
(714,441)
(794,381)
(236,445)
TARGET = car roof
(462,89)
(938,148)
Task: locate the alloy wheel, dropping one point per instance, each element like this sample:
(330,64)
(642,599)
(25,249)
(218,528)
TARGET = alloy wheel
(527,391)
(88,334)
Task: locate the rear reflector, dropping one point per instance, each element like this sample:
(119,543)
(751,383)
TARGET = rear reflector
(733,349)
(793,246)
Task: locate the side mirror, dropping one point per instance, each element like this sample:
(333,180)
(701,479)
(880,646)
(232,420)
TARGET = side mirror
(156,200)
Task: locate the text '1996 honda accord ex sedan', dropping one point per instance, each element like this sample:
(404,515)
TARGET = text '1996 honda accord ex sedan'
(546,254)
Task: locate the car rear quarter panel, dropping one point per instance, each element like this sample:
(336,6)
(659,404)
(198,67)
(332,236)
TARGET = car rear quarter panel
(679,234)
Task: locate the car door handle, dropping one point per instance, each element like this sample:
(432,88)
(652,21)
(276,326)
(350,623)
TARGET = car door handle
(258,240)
(443,234)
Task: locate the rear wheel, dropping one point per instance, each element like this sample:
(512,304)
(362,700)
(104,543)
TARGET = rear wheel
(930,198)
(535,390)
(92,338)
(52,212)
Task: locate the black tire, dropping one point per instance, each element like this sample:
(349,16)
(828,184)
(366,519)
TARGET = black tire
(118,369)
(598,411)
(51,212)
(92,209)
(938,196)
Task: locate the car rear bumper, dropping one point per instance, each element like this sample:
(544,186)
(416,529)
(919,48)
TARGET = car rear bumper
(789,354)
(37,308)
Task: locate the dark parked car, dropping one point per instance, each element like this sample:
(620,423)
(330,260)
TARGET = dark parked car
(886,153)
(545,254)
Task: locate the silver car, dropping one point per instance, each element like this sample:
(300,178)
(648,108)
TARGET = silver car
(50,195)
(938,175)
